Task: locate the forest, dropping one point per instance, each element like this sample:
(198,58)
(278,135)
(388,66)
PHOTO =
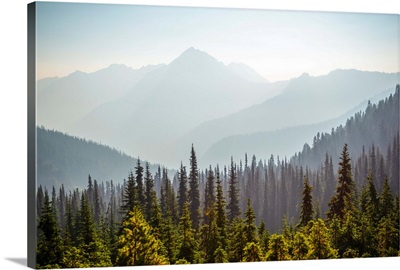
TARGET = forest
(338,198)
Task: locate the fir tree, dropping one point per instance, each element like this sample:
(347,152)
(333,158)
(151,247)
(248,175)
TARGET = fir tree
(277,249)
(250,229)
(130,195)
(209,195)
(137,244)
(187,243)
(252,252)
(150,193)
(141,196)
(49,243)
(182,190)
(343,200)
(320,246)
(220,219)
(233,205)
(194,194)
(307,211)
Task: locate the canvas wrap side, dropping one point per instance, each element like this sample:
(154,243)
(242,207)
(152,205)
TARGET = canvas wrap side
(31,135)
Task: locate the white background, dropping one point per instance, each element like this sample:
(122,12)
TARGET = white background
(13,135)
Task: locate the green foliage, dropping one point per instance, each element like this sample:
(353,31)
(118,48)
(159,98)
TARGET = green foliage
(307,211)
(343,200)
(301,247)
(388,237)
(194,193)
(252,253)
(320,242)
(49,247)
(188,245)
(233,205)
(250,229)
(169,238)
(137,245)
(277,249)
(182,189)
(237,240)
(141,196)
(220,255)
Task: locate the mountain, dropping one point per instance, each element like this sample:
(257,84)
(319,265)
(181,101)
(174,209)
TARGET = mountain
(68,160)
(62,101)
(169,102)
(306,100)
(246,72)
(283,142)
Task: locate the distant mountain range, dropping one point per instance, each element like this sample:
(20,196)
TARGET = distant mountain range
(157,112)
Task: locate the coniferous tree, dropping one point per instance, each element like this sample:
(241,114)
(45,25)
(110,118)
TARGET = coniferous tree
(237,240)
(386,200)
(209,195)
(137,244)
(263,235)
(233,205)
(250,229)
(188,245)
(220,219)
(39,201)
(301,247)
(343,200)
(320,241)
(252,253)
(130,195)
(141,196)
(307,211)
(169,237)
(277,249)
(96,200)
(90,190)
(150,193)
(194,193)
(182,190)
(49,243)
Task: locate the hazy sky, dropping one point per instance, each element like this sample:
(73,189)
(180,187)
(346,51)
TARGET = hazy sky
(278,45)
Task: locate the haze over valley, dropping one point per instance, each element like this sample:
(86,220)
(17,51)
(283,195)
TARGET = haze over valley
(157,112)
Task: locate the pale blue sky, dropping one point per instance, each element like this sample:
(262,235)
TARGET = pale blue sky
(278,45)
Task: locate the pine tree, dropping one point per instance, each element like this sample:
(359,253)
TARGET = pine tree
(320,242)
(233,205)
(150,192)
(250,229)
(343,200)
(220,219)
(187,244)
(307,211)
(182,190)
(141,196)
(386,200)
(388,237)
(194,194)
(169,237)
(137,244)
(252,252)
(237,240)
(49,243)
(96,200)
(372,205)
(130,195)
(301,247)
(277,249)
(263,235)
(39,201)
(209,195)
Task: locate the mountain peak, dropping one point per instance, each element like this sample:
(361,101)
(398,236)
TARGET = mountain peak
(195,57)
